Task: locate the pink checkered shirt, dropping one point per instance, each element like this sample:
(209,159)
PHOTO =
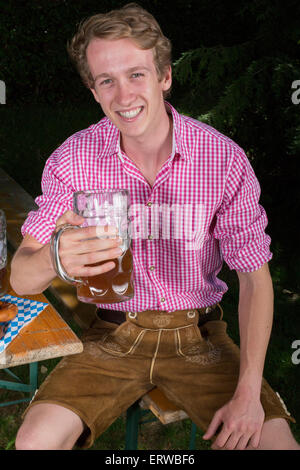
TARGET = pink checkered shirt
(203,209)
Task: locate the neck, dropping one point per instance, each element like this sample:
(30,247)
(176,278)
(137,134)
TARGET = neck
(151,153)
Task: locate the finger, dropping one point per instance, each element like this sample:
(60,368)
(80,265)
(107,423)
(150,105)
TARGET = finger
(222,438)
(101,232)
(212,428)
(98,256)
(104,231)
(90,246)
(89,264)
(89,233)
(255,439)
(90,271)
(69,217)
(95,270)
(243,442)
(232,441)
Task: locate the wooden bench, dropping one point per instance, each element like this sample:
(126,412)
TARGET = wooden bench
(161,407)
(46,337)
(16,203)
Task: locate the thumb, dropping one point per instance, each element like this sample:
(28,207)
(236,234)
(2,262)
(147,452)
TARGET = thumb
(69,217)
(212,428)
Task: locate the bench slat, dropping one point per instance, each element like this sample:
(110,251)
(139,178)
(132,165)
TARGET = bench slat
(45,337)
(161,407)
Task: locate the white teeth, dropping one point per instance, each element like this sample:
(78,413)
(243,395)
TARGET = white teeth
(130,114)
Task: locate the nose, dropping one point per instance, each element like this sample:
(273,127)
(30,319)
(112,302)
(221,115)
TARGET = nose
(124,93)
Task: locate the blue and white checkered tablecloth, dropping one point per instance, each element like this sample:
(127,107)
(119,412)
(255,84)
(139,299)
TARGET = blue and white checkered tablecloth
(27,311)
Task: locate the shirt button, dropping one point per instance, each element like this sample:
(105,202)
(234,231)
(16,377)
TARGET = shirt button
(149,204)
(152,268)
(150,237)
(162,299)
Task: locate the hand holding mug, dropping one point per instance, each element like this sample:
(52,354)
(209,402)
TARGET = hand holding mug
(80,249)
(91,246)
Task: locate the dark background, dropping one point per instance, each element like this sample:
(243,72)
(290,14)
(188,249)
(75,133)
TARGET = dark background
(234,63)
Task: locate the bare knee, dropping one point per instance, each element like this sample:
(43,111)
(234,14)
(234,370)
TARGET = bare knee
(49,427)
(277,435)
(29,439)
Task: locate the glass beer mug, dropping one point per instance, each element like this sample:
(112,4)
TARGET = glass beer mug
(102,207)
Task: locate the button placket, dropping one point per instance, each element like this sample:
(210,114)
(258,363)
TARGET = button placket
(150,247)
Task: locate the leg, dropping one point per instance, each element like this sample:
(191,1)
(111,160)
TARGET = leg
(49,427)
(276,435)
(206,377)
(84,394)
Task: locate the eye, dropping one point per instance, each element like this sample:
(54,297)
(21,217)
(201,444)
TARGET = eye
(106,82)
(137,75)
(103,83)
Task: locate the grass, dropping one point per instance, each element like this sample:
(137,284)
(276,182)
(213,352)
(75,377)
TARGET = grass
(39,130)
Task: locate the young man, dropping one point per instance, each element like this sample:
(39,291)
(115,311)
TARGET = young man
(171,335)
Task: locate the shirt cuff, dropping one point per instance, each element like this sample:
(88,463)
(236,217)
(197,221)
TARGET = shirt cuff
(249,260)
(38,227)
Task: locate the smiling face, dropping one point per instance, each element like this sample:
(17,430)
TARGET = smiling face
(126,86)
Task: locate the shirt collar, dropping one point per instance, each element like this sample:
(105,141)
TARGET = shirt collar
(112,143)
(179,146)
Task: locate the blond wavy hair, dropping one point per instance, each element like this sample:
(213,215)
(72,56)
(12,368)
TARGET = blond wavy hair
(130,21)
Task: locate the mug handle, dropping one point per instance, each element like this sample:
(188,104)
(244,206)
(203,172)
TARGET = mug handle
(54,244)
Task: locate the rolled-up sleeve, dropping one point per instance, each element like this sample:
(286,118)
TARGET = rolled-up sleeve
(241,221)
(56,196)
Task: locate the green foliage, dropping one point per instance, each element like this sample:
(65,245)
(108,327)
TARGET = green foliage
(244,90)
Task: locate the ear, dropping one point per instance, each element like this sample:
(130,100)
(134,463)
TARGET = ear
(167,80)
(95,95)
